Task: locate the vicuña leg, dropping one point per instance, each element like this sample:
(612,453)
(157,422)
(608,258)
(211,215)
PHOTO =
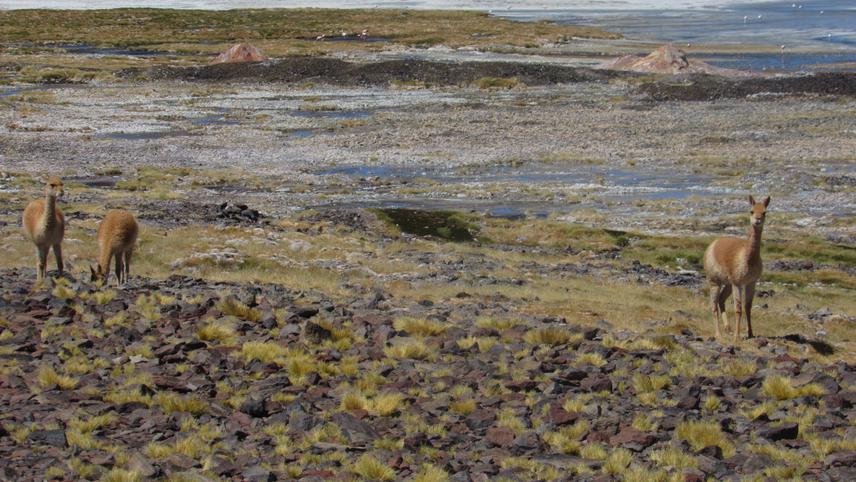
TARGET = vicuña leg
(747,307)
(738,311)
(723,297)
(41,268)
(715,291)
(57,249)
(119,268)
(128,255)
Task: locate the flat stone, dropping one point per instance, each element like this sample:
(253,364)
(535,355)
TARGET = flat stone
(500,436)
(781,432)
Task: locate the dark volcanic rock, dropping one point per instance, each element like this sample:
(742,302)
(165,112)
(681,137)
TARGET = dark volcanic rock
(781,432)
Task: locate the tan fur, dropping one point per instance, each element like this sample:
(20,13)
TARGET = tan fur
(117,235)
(44,225)
(733,264)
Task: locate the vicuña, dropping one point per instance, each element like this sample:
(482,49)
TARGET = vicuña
(734,264)
(44,225)
(117,235)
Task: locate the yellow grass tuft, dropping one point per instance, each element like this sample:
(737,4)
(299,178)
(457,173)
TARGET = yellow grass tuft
(552,336)
(566,439)
(370,468)
(593,451)
(220,330)
(649,383)
(700,434)
(419,327)
(231,307)
(171,402)
(354,401)
(120,475)
(617,461)
(781,388)
(411,349)
(463,407)
(431,473)
(673,457)
(48,377)
(386,404)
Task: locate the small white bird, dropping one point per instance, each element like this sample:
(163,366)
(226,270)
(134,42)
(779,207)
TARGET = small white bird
(821,12)
(794,5)
(745,18)
(759,16)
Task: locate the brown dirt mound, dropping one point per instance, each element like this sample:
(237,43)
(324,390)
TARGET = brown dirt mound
(666,60)
(240,53)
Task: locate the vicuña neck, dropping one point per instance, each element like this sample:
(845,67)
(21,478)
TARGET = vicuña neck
(50,210)
(755,241)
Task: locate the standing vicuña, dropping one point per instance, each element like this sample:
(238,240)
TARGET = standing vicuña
(735,264)
(44,224)
(117,235)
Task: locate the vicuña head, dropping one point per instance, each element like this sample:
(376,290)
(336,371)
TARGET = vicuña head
(734,264)
(44,225)
(117,235)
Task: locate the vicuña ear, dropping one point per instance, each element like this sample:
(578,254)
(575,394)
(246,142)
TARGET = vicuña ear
(766,201)
(751,200)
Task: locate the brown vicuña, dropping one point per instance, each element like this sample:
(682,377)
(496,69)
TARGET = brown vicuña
(734,264)
(117,235)
(44,225)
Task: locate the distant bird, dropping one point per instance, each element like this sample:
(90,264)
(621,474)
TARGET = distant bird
(759,16)
(794,5)
(829,36)
(821,12)
(745,18)
(800,6)
(344,34)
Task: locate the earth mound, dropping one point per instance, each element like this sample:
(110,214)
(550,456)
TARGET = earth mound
(667,59)
(238,53)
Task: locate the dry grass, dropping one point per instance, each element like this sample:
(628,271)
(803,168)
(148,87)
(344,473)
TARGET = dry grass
(420,327)
(410,349)
(48,378)
(781,388)
(701,434)
(553,336)
(370,468)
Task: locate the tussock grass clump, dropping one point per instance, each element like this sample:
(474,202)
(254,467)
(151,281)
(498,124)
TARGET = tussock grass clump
(63,290)
(419,327)
(506,418)
(700,434)
(121,475)
(498,324)
(593,451)
(595,359)
(48,377)
(411,349)
(645,422)
(370,468)
(566,439)
(232,307)
(781,388)
(552,336)
(650,383)
(354,401)
(617,461)
(431,473)
(386,404)
(103,297)
(463,407)
(739,369)
(264,352)
(220,330)
(171,402)
(673,457)
(484,343)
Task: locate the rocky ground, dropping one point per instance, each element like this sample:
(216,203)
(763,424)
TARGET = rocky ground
(269,382)
(554,326)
